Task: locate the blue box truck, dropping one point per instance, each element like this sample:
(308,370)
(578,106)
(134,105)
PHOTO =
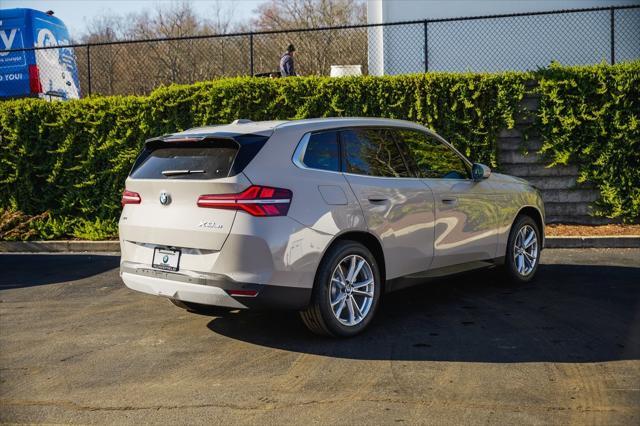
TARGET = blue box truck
(44,73)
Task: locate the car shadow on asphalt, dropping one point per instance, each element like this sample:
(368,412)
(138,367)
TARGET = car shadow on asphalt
(570,313)
(29,270)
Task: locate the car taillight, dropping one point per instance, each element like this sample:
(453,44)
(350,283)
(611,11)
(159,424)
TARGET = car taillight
(130,197)
(255,200)
(35,85)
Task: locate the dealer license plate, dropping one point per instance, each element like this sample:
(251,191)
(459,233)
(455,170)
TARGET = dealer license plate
(166,259)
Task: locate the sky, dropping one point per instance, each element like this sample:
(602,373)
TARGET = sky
(76,14)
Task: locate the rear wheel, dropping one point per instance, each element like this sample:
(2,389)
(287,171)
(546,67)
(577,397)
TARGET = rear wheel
(523,250)
(346,291)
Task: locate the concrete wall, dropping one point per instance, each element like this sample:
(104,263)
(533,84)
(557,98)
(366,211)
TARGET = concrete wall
(565,200)
(518,43)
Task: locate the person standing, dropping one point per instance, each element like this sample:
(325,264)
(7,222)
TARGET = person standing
(286,62)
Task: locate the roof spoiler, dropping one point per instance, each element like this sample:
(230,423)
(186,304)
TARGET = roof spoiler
(186,139)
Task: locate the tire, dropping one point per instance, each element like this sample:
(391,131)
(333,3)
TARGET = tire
(521,263)
(342,319)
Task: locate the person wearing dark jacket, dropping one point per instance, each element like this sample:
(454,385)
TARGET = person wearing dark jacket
(286,62)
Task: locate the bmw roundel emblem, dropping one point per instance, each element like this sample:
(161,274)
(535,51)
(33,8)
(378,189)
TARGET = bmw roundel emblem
(165,198)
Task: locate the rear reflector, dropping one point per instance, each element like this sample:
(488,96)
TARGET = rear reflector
(130,197)
(243,293)
(35,85)
(255,200)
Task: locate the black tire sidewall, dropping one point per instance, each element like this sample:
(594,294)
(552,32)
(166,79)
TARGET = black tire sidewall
(322,286)
(510,265)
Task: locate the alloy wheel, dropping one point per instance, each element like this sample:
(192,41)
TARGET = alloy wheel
(351,290)
(525,250)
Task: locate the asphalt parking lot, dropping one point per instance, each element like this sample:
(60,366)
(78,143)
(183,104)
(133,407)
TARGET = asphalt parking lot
(77,346)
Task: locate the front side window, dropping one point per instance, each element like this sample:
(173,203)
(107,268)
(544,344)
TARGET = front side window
(372,152)
(432,158)
(322,152)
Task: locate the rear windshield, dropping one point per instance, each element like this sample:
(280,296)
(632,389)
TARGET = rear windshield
(211,159)
(187,163)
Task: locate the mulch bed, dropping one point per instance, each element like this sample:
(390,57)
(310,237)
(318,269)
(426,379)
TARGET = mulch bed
(559,230)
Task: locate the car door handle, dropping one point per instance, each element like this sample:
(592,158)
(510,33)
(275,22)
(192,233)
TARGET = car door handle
(451,201)
(378,200)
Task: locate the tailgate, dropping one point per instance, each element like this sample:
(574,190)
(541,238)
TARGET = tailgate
(179,222)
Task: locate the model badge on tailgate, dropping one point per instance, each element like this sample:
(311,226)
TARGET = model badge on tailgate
(211,225)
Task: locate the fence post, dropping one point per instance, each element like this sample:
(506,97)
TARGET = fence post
(251,54)
(613,40)
(426,44)
(89,68)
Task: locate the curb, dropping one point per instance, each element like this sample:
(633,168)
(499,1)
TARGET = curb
(58,246)
(623,241)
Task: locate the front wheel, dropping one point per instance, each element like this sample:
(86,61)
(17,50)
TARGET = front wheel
(523,250)
(346,291)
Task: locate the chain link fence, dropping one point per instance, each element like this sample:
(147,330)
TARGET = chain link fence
(523,41)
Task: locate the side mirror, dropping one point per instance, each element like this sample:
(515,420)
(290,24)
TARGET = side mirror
(480,171)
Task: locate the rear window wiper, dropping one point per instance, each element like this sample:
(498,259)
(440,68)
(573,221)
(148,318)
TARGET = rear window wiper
(181,172)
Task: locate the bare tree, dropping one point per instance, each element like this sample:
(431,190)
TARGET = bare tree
(315,51)
(229,52)
(106,59)
(221,21)
(290,14)
(177,20)
(142,66)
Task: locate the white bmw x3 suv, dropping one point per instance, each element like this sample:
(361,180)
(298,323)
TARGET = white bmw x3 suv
(323,216)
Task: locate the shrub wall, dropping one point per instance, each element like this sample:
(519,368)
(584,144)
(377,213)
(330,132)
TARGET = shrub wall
(590,116)
(70,159)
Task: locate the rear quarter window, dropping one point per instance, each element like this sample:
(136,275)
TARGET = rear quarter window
(322,152)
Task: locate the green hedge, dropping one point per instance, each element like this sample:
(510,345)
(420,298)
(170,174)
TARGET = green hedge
(590,116)
(71,159)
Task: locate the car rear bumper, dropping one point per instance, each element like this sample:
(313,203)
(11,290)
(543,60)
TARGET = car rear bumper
(214,290)
(181,291)
(276,251)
